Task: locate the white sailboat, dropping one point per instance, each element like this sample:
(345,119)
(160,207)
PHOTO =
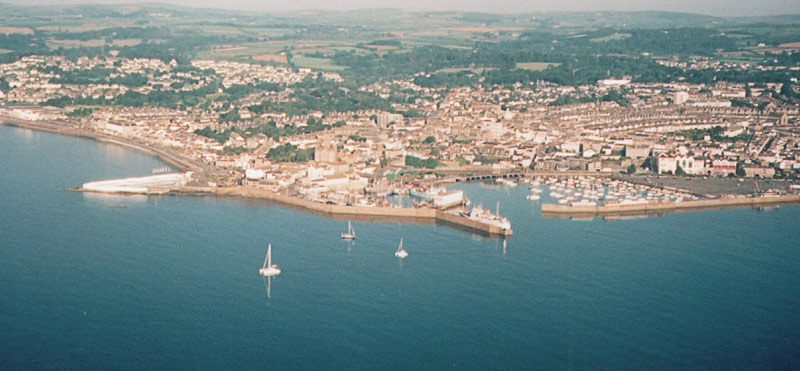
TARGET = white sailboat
(401,253)
(269,269)
(350,234)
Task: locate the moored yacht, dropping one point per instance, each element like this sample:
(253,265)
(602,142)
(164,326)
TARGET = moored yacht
(269,269)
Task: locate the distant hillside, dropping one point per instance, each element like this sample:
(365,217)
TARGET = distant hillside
(389,18)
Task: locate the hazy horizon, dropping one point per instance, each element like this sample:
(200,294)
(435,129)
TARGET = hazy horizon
(721,8)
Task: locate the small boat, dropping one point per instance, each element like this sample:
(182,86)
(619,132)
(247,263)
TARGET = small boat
(269,269)
(533,197)
(401,253)
(350,234)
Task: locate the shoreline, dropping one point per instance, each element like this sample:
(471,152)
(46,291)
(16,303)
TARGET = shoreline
(398,214)
(172,159)
(412,215)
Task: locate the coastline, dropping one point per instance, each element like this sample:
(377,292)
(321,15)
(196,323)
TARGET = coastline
(383,213)
(412,215)
(165,155)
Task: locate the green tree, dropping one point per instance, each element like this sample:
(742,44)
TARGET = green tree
(431,163)
(679,171)
(429,140)
(631,169)
(414,161)
(787,91)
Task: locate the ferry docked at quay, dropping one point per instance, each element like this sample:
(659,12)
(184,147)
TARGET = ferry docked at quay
(481,215)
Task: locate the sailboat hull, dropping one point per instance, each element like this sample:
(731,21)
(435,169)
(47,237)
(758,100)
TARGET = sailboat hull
(269,271)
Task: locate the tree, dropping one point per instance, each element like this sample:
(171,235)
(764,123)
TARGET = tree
(747,92)
(429,140)
(679,171)
(413,161)
(786,90)
(631,169)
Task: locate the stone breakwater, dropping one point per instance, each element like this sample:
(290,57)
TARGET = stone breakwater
(399,214)
(421,213)
(664,207)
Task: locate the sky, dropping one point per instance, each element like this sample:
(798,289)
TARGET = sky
(710,7)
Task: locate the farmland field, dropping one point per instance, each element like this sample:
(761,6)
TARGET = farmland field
(16,30)
(535,66)
(316,63)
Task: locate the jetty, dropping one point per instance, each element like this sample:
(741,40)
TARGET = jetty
(657,208)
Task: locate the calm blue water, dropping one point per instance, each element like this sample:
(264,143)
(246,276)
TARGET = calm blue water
(172,282)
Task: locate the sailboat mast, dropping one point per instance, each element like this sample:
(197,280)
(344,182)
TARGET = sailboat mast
(269,256)
(498,208)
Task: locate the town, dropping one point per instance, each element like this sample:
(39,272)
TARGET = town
(238,131)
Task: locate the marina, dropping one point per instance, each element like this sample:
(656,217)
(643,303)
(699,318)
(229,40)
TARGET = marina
(581,196)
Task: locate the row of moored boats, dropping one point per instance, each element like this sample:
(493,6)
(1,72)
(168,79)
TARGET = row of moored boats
(588,191)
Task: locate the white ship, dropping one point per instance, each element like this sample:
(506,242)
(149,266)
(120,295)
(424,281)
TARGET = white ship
(478,213)
(427,194)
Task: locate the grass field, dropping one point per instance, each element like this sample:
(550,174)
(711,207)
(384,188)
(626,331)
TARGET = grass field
(245,50)
(16,30)
(535,66)
(271,58)
(316,63)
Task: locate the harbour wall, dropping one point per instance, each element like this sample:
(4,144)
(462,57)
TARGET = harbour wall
(661,207)
(421,214)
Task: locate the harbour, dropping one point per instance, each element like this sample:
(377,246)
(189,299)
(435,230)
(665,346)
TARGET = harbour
(166,280)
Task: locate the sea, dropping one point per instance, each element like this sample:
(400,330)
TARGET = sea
(90,281)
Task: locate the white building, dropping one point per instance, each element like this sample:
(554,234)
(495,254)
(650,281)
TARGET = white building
(680,97)
(669,163)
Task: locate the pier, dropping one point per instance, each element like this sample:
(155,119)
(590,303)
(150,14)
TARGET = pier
(657,208)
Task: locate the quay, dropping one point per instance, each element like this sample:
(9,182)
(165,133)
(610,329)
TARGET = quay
(651,208)
(410,214)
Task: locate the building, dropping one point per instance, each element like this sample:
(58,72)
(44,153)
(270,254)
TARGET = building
(680,97)
(723,167)
(691,165)
(386,118)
